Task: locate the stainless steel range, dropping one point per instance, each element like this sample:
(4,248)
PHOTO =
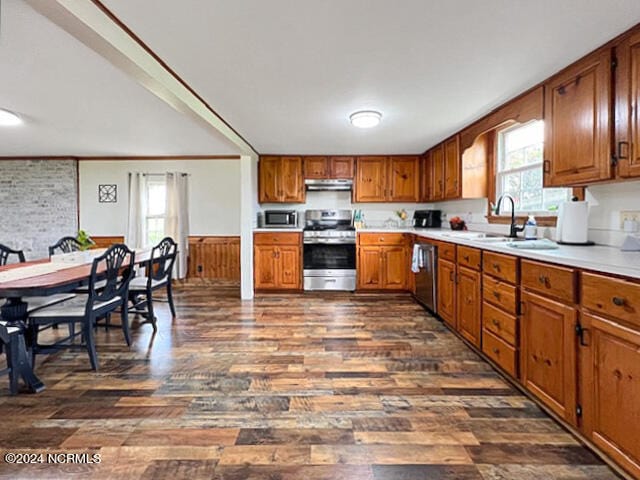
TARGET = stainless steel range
(329,250)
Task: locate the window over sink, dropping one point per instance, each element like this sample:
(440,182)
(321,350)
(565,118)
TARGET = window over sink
(519,163)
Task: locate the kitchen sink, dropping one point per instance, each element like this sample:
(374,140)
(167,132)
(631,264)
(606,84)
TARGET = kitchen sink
(482,237)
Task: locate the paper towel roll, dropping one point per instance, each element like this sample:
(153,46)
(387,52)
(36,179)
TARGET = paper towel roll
(573,222)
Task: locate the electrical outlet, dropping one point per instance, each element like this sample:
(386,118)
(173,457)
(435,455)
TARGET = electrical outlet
(199,268)
(629,215)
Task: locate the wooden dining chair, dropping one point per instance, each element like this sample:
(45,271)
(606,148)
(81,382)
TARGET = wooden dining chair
(115,267)
(64,245)
(158,275)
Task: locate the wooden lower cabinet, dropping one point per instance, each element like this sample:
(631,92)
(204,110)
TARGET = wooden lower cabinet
(277,259)
(469,304)
(383,267)
(447,292)
(548,353)
(369,268)
(610,389)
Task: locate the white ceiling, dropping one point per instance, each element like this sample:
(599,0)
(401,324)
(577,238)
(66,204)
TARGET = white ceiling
(287,73)
(76,103)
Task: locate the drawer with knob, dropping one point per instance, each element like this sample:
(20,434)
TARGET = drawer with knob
(277,238)
(470,257)
(500,323)
(500,294)
(500,352)
(551,280)
(616,298)
(503,267)
(447,251)
(383,239)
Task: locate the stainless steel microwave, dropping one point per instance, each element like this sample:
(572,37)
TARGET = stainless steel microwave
(280,219)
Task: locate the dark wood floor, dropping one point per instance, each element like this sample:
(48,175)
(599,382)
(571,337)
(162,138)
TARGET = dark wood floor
(287,387)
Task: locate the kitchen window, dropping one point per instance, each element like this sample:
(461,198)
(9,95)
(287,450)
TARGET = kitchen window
(156,209)
(519,170)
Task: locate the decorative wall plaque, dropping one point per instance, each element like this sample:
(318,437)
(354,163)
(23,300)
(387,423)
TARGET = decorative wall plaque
(107,193)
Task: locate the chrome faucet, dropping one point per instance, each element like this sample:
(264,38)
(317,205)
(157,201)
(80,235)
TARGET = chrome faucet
(513,231)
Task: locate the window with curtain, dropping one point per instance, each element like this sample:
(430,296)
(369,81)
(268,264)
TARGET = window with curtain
(519,170)
(155,215)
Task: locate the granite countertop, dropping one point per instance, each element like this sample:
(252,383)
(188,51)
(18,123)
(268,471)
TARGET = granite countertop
(597,257)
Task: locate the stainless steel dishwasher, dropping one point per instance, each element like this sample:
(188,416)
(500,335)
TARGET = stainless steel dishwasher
(427,277)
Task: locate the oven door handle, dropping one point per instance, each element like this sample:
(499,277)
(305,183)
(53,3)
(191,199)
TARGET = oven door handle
(330,241)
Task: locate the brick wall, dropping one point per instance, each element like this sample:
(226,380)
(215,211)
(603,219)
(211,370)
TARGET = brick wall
(38,201)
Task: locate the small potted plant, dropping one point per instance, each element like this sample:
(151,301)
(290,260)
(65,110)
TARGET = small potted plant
(84,240)
(84,244)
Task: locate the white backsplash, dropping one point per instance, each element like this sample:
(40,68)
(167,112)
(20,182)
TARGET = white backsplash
(375,214)
(605,204)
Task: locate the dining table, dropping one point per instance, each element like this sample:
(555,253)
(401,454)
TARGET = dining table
(40,278)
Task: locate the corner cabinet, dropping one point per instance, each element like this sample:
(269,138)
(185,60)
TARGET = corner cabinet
(577,115)
(280,180)
(388,179)
(277,260)
(627,151)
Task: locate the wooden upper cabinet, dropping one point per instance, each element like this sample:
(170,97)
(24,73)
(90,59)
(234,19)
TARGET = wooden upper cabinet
(269,179)
(316,167)
(292,180)
(371,179)
(329,167)
(426,178)
(577,119)
(403,179)
(280,180)
(452,168)
(627,150)
(437,165)
(387,179)
(548,343)
(341,167)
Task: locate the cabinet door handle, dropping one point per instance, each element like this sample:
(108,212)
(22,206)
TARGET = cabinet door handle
(495,322)
(451,276)
(496,267)
(496,294)
(623,146)
(496,351)
(546,166)
(466,258)
(619,302)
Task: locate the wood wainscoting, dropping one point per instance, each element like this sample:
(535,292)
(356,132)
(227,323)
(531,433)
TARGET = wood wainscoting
(214,258)
(210,257)
(106,242)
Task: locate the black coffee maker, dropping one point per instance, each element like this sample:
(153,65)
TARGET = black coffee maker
(427,219)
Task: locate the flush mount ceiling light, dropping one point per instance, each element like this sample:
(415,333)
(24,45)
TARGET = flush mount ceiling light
(9,119)
(365,118)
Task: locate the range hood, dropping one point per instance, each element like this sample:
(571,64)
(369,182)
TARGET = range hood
(328,184)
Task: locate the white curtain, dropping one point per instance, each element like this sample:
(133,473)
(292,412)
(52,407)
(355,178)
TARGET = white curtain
(176,223)
(135,237)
